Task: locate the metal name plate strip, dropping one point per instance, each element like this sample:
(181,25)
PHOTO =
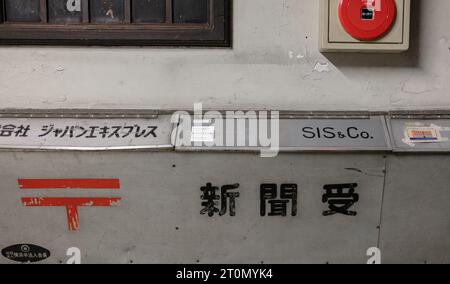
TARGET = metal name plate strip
(69,133)
(420,135)
(316,134)
(405,134)
(335,134)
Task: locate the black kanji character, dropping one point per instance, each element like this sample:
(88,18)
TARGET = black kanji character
(7,130)
(278,207)
(22,131)
(338,201)
(226,195)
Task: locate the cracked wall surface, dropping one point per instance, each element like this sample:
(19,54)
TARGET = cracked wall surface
(274,63)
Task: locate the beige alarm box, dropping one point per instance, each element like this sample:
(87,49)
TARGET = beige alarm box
(335,37)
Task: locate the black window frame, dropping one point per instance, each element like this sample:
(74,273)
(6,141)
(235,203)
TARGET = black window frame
(215,33)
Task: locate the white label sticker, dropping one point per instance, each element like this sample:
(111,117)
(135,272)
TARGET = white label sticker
(423,135)
(202,134)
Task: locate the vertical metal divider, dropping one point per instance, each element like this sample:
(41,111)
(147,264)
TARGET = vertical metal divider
(211,13)
(43,11)
(389,134)
(380,221)
(127,11)
(169,12)
(85,11)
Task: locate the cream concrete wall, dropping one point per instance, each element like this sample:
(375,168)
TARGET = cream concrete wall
(274,63)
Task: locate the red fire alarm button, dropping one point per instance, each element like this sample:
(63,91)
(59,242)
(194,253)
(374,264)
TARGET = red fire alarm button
(367,19)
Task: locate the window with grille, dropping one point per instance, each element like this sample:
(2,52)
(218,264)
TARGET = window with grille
(116,22)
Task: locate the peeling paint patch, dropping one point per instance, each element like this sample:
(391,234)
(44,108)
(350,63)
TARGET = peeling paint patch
(292,55)
(321,67)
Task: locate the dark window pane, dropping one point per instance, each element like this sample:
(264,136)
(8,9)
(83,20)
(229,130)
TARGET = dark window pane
(1,11)
(148,11)
(190,11)
(22,10)
(107,11)
(64,11)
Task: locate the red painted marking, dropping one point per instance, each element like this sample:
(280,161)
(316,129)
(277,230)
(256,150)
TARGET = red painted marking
(69,183)
(71,205)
